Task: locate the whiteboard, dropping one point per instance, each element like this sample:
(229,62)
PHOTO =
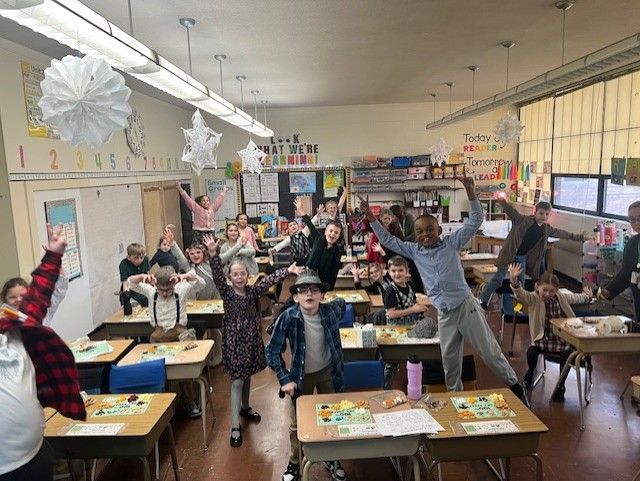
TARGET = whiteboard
(228,208)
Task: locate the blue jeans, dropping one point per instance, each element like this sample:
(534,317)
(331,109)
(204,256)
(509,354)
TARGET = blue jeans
(499,276)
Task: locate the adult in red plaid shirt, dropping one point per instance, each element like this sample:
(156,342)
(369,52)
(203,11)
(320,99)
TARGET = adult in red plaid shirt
(36,369)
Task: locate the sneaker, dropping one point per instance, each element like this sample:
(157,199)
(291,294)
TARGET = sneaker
(519,391)
(335,468)
(236,437)
(558,395)
(193,411)
(250,414)
(527,381)
(292,472)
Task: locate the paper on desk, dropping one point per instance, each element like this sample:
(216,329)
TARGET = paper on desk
(110,429)
(349,430)
(483,428)
(403,423)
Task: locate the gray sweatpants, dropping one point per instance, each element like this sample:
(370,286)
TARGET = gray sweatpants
(467,321)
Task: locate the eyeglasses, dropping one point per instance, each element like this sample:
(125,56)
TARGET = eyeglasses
(308,290)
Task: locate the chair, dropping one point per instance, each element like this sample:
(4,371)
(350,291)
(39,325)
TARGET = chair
(363,374)
(512,309)
(433,374)
(144,377)
(349,317)
(555,358)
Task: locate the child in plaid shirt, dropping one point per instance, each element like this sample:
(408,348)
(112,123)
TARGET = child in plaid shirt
(544,304)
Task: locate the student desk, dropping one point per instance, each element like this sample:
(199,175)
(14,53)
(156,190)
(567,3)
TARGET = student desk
(359,299)
(453,444)
(392,343)
(376,303)
(120,347)
(587,343)
(138,324)
(322,443)
(475,259)
(185,366)
(498,241)
(263,262)
(353,259)
(135,440)
(48,413)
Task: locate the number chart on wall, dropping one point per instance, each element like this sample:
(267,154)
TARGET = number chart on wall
(63,212)
(272,193)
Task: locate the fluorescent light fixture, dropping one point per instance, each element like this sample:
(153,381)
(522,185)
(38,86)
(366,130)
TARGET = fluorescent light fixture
(616,57)
(75,25)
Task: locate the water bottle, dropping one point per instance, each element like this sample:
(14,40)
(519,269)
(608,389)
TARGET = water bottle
(126,303)
(414,378)
(349,251)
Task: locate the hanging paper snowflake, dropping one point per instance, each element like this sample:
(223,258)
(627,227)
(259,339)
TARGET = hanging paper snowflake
(202,144)
(84,99)
(252,158)
(508,129)
(440,152)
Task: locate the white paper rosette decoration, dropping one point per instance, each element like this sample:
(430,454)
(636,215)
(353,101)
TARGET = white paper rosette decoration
(84,99)
(508,129)
(252,158)
(202,144)
(440,152)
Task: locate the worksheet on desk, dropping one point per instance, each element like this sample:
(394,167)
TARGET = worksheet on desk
(404,423)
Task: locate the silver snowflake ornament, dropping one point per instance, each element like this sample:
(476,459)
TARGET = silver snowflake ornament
(202,144)
(252,158)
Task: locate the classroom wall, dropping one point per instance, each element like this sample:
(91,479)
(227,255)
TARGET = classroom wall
(344,133)
(108,223)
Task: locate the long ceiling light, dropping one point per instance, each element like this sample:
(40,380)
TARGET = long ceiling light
(73,24)
(624,54)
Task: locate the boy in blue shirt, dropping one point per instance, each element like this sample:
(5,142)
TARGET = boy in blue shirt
(460,315)
(313,333)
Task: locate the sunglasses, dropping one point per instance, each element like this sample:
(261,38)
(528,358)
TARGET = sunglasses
(308,290)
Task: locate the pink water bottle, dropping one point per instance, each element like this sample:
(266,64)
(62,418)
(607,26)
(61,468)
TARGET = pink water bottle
(414,378)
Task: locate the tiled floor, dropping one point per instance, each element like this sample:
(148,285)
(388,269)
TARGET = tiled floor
(608,449)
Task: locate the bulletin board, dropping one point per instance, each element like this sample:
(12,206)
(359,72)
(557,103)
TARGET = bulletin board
(63,212)
(273,192)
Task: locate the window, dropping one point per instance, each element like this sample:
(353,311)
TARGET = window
(569,140)
(576,193)
(617,198)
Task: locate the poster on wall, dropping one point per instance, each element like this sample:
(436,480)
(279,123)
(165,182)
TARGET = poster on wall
(63,212)
(302,182)
(618,168)
(633,171)
(331,180)
(228,208)
(251,188)
(269,188)
(32,75)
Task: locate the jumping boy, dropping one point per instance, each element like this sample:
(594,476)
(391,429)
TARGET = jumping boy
(459,313)
(313,334)
(525,244)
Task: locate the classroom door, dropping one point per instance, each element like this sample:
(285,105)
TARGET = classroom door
(160,206)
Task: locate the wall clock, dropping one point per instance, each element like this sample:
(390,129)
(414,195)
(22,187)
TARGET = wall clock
(135,133)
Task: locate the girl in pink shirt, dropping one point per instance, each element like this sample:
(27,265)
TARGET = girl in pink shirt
(203,212)
(247,232)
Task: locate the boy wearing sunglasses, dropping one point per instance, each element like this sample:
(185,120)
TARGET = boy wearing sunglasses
(312,331)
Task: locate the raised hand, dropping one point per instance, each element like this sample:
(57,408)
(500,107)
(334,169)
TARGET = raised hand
(355,272)
(211,243)
(515,269)
(148,279)
(175,278)
(588,291)
(299,206)
(169,236)
(225,189)
(57,239)
(469,185)
(294,269)
(378,248)
(364,207)
(320,209)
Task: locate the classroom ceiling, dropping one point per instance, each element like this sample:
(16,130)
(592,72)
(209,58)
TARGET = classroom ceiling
(336,52)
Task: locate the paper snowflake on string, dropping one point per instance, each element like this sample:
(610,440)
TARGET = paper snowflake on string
(202,144)
(84,99)
(508,129)
(252,158)
(440,152)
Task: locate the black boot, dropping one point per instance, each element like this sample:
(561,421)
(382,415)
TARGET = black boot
(518,390)
(558,394)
